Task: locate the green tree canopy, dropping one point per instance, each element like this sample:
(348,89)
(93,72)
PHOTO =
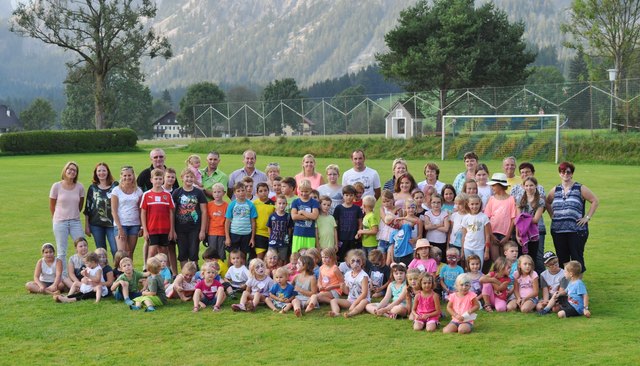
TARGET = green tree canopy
(200,93)
(453,45)
(103,35)
(282,90)
(40,115)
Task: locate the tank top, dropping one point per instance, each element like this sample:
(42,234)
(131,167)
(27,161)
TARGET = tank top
(306,285)
(48,273)
(396,291)
(329,278)
(384,230)
(567,210)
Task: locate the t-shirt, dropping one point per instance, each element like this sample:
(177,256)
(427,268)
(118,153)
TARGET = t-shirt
(128,206)
(553,281)
(437,236)
(279,226)
(354,284)
(347,219)
(237,276)
(525,283)
(575,295)
(260,286)
(462,304)
(334,194)
(503,294)
(209,290)
(501,214)
(369,221)
(134,281)
(283,293)
(158,206)
(475,226)
(188,215)
(155,283)
(449,275)
(240,214)
(264,210)
(428,265)
(215,214)
(378,275)
(400,240)
(326,231)
(304,228)
(98,205)
(67,201)
(455,238)
(368,177)
(218,176)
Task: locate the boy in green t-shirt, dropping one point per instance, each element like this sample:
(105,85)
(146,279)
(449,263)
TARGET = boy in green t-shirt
(127,285)
(369,225)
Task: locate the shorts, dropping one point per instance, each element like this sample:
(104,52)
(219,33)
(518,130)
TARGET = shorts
(279,304)
(383,246)
(302,242)
(304,302)
(459,324)
(431,320)
(240,242)
(208,301)
(568,309)
(159,239)
(47,284)
(262,243)
(132,230)
(118,296)
(217,242)
(155,300)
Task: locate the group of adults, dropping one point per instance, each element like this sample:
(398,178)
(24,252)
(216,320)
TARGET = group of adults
(111,207)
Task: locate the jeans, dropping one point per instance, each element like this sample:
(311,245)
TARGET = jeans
(102,234)
(61,231)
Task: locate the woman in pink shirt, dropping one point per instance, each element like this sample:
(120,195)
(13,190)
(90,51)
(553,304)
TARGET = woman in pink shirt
(66,199)
(309,172)
(501,210)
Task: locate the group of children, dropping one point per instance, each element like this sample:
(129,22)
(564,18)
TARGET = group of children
(293,245)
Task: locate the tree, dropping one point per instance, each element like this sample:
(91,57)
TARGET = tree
(606,28)
(38,116)
(453,45)
(284,90)
(241,94)
(200,93)
(128,103)
(104,35)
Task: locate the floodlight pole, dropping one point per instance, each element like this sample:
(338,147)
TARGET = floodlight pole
(612,78)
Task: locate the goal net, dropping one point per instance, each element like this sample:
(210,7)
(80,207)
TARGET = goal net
(526,136)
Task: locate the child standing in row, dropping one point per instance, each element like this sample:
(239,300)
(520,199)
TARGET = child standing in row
(157,216)
(426,304)
(367,234)
(387,216)
(501,210)
(240,223)
(216,211)
(326,227)
(47,276)
(436,223)
(476,231)
(455,222)
(279,226)
(264,208)
(304,213)
(348,217)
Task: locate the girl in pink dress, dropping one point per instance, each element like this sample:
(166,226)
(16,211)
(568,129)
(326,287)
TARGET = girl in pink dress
(426,305)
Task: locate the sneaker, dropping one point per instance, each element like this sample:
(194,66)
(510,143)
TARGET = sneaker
(128,301)
(133,307)
(544,311)
(238,307)
(149,309)
(216,308)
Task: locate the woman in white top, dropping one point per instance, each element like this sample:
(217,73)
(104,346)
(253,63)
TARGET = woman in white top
(65,202)
(125,207)
(332,189)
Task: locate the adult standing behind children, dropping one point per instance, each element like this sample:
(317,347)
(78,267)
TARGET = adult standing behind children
(470,162)
(98,217)
(569,224)
(509,168)
(212,175)
(309,173)
(158,157)
(363,174)
(65,202)
(249,170)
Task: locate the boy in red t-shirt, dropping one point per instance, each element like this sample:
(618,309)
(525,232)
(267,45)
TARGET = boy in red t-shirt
(156,216)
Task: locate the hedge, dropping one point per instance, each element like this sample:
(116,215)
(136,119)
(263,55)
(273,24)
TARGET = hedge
(71,141)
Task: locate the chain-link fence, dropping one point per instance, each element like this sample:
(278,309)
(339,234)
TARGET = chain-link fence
(587,105)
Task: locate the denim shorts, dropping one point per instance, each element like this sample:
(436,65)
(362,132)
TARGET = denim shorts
(132,230)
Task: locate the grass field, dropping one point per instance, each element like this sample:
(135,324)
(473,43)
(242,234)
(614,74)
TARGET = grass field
(35,330)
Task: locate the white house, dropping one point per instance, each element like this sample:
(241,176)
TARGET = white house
(167,127)
(404,121)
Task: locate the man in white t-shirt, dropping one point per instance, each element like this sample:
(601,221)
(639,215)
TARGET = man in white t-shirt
(361,173)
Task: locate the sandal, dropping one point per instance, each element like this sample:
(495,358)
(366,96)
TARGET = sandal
(216,308)
(196,309)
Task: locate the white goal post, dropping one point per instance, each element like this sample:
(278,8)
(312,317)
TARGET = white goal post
(468,123)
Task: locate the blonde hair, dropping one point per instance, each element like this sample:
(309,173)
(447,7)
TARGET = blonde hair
(331,253)
(124,260)
(192,159)
(106,256)
(521,259)
(413,272)
(252,265)
(357,253)
(153,265)
(189,268)
(462,278)
(185,172)
(573,267)
(162,257)
(333,167)
(281,271)
(218,186)
(211,265)
(369,202)
(304,184)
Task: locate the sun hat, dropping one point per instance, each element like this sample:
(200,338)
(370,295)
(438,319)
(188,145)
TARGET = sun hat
(498,178)
(423,243)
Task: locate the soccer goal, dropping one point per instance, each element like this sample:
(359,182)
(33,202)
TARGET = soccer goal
(501,135)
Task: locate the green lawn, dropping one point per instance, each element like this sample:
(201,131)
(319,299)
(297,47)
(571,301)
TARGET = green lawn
(36,330)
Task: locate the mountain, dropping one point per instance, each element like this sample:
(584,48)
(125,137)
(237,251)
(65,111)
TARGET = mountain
(253,42)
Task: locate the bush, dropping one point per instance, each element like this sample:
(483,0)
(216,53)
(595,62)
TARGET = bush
(32,142)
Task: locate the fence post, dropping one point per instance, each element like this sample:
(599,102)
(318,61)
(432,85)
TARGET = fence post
(324,123)
(246,123)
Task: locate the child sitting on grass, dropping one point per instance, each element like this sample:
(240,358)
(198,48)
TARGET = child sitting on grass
(91,285)
(47,276)
(209,291)
(127,285)
(154,295)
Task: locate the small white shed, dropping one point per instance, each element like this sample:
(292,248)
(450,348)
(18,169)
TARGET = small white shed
(404,121)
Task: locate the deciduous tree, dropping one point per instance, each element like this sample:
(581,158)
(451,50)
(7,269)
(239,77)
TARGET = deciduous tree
(40,115)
